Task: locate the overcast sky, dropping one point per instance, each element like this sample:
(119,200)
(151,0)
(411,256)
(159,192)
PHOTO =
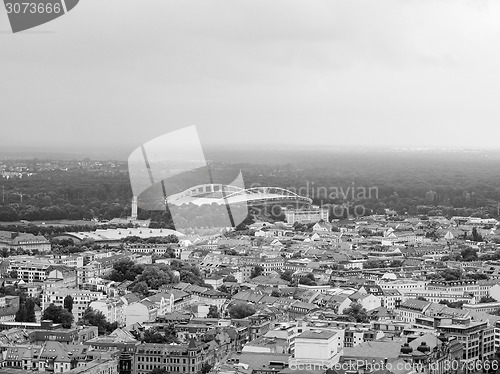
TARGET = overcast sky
(330,73)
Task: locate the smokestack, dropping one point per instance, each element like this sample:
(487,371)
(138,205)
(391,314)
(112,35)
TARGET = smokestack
(134,208)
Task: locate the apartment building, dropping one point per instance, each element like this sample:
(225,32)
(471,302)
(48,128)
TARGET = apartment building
(474,287)
(71,261)
(81,299)
(113,309)
(30,270)
(157,249)
(497,335)
(181,358)
(85,273)
(268,264)
(435,296)
(477,338)
(402,285)
(304,216)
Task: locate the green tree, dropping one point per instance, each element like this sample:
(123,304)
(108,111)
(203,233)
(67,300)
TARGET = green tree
(158,371)
(287,276)
(168,336)
(125,270)
(155,276)
(188,274)
(396,264)
(308,280)
(453,304)
(230,278)
(225,289)
(171,239)
(487,299)
(357,312)
(192,276)
(451,274)
(469,254)
(256,271)
(213,312)
(478,276)
(92,317)
(476,236)
(141,288)
(68,303)
(240,311)
(373,264)
(58,314)
(206,367)
(26,312)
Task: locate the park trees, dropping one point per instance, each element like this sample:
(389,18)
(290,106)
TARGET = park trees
(58,314)
(26,312)
(256,271)
(68,303)
(357,312)
(239,311)
(92,317)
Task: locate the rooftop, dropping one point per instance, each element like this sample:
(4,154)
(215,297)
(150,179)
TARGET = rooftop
(317,334)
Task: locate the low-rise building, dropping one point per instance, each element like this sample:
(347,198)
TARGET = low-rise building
(316,347)
(9,306)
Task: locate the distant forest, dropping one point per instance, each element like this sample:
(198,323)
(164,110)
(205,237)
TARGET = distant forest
(410,183)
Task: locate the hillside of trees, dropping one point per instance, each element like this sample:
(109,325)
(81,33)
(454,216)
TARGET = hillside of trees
(412,183)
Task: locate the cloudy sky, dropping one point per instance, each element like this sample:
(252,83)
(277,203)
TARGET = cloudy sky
(116,73)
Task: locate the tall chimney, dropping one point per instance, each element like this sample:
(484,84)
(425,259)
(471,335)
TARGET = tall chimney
(134,208)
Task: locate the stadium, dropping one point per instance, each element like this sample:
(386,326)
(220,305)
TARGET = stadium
(226,194)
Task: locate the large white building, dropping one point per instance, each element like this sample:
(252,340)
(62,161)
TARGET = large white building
(402,285)
(24,241)
(71,261)
(474,287)
(140,312)
(318,347)
(305,216)
(435,296)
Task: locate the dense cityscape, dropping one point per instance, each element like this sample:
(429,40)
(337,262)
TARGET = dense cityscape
(249,187)
(304,290)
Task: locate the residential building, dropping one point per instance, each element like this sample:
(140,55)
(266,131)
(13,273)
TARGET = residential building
(306,215)
(81,299)
(477,338)
(140,312)
(113,309)
(9,305)
(179,358)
